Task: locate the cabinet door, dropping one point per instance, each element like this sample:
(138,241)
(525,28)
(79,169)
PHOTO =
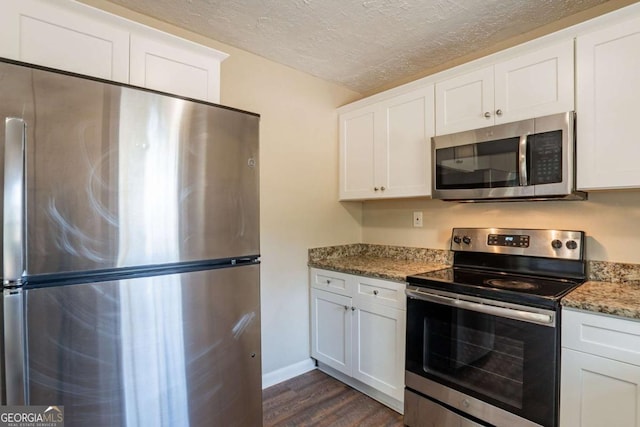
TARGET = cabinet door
(607,93)
(596,391)
(378,353)
(465,102)
(358,131)
(331,329)
(535,84)
(405,163)
(162,62)
(67,36)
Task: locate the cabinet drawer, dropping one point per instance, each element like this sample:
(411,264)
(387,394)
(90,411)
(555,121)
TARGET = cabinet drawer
(330,281)
(606,336)
(380,292)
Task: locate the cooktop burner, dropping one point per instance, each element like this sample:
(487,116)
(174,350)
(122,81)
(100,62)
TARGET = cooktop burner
(511,284)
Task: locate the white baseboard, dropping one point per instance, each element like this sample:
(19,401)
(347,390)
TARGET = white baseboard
(288,372)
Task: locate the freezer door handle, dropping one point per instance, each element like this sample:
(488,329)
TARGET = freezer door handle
(15,361)
(14,201)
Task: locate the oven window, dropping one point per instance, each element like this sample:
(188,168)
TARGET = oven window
(476,352)
(483,165)
(507,363)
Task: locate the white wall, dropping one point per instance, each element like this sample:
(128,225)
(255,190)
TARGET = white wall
(610,219)
(299,182)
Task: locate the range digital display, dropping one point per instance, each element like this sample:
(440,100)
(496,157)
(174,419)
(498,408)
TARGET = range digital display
(511,240)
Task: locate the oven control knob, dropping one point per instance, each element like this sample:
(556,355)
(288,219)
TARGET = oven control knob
(571,244)
(556,244)
(457,239)
(466,240)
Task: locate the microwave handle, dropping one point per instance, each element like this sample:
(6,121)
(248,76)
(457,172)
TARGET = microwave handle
(522,160)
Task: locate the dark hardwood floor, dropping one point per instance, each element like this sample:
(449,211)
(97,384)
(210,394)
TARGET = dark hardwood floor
(316,399)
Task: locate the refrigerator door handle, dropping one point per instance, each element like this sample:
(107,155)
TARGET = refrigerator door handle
(14,202)
(13,240)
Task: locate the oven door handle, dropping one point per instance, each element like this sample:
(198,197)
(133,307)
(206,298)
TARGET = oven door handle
(493,310)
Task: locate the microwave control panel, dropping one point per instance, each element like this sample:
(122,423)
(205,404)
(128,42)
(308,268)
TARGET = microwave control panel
(545,157)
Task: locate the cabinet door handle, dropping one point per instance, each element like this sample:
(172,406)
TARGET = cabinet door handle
(375,292)
(487,115)
(346,307)
(498,112)
(328,282)
(375,188)
(353,309)
(382,188)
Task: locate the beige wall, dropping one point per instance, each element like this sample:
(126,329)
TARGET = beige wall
(299,208)
(299,189)
(610,219)
(299,182)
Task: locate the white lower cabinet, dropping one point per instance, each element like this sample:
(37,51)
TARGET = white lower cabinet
(358,329)
(600,380)
(378,348)
(331,317)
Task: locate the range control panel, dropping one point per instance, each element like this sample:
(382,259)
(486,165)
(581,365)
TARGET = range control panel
(565,244)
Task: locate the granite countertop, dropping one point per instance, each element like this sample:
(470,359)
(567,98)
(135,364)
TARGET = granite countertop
(376,266)
(618,299)
(379,261)
(612,288)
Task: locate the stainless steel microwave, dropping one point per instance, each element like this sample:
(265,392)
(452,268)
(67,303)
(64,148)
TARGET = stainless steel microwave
(528,159)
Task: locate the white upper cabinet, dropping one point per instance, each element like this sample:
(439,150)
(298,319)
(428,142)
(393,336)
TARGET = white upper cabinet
(385,148)
(74,37)
(607,94)
(63,36)
(162,62)
(357,152)
(465,102)
(534,84)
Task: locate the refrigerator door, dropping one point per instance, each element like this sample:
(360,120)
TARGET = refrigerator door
(171,350)
(121,177)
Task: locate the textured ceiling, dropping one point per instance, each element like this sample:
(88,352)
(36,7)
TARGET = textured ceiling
(360,44)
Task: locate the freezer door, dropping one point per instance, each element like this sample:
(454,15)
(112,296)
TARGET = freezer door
(120,177)
(172,350)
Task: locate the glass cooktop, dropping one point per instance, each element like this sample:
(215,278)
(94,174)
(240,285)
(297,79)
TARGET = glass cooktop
(510,287)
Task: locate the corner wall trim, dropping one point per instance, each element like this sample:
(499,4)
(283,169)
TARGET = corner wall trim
(288,372)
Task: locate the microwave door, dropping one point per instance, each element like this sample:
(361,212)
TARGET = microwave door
(487,163)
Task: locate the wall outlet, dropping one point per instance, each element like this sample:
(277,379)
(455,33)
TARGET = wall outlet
(417,219)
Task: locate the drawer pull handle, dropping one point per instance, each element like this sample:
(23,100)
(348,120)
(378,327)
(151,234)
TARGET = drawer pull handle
(375,292)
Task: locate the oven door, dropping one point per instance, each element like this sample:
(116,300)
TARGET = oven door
(493,361)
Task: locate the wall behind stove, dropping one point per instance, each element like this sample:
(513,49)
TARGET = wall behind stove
(611,221)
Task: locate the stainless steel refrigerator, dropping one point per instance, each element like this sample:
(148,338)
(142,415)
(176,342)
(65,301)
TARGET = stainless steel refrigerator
(130,253)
